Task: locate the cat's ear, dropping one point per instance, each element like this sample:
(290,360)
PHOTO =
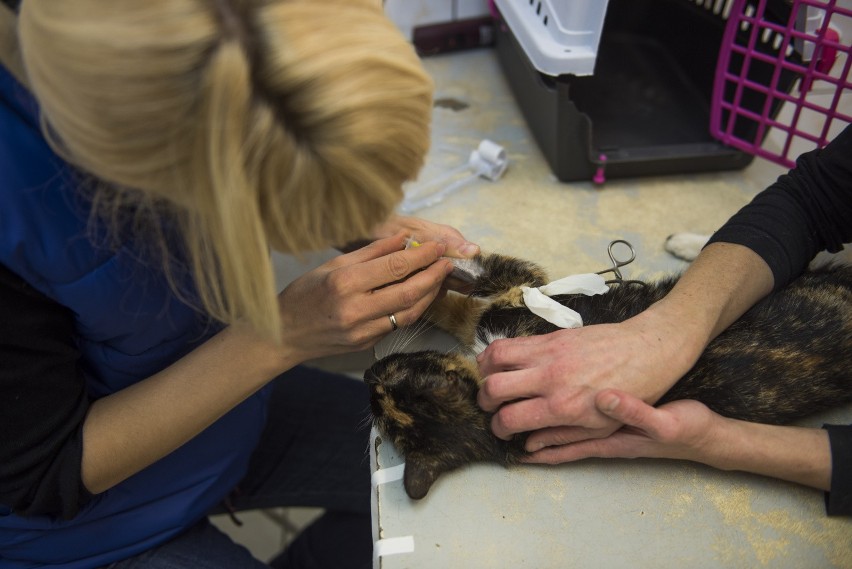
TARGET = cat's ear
(419,476)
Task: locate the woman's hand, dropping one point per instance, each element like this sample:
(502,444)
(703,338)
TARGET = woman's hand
(423,230)
(344,305)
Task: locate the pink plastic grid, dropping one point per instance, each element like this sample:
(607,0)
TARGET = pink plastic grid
(748,31)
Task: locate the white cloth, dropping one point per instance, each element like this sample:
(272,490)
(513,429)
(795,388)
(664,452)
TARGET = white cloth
(538,300)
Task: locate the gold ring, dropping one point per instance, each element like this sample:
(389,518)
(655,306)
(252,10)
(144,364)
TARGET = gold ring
(392,318)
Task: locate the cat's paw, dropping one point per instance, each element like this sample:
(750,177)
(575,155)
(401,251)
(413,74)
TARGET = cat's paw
(686,245)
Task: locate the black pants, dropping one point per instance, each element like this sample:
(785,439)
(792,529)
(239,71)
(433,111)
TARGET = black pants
(313,453)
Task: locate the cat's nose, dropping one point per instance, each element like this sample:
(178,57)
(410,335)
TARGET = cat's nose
(370,377)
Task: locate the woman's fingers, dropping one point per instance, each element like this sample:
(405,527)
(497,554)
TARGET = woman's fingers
(385,262)
(408,300)
(423,230)
(349,300)
(369,251)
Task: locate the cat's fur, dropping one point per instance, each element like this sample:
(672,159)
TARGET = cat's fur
(788,357)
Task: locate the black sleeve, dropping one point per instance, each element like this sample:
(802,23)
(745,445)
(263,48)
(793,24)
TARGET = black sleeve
(838,502)
(43,403)
(805,211)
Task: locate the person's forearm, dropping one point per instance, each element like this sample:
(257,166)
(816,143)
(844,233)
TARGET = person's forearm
(688,430)
(795,454)
(132,428)
(723,282)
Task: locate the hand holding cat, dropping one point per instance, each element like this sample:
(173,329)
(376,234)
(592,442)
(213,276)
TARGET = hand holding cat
(527,385)
(548,384)
(688,430)
(344,304)
(681,429)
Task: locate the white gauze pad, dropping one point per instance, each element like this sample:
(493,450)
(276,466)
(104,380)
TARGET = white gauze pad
(538,300)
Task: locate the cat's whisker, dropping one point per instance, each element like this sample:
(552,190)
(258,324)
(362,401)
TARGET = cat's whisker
(400,338)
(366,457)
(419,330)
(396,339)
(367,421)
(407,336)
(460,348)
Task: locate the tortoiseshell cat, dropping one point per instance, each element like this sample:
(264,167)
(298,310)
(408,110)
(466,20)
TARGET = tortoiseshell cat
(788,357)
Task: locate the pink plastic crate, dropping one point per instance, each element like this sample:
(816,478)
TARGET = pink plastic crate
(760,44)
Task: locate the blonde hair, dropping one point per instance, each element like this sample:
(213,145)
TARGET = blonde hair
(258,124)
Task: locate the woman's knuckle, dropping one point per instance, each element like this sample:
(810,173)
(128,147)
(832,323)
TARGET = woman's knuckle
(347,319)
(409,297)
(398,266)
(337,283)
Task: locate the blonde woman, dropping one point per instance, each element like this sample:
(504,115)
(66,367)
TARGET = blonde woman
(152,153)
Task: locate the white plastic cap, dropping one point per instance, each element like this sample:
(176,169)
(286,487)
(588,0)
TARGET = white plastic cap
(488,160)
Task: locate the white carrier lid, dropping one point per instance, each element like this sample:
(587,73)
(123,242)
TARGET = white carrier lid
(560,37)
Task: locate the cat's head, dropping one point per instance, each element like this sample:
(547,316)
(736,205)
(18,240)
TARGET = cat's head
(425,403)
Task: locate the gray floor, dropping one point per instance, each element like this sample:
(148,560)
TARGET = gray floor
(265,533)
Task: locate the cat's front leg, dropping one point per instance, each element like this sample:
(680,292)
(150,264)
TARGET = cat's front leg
(458,315)
(499,274)
(493,278)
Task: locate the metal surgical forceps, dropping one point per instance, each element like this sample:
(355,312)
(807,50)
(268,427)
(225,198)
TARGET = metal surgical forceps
(617,264)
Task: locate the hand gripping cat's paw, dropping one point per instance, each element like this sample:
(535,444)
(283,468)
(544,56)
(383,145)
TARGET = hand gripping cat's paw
(686,245)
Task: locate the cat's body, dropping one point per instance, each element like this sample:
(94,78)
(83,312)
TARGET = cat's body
(788,357)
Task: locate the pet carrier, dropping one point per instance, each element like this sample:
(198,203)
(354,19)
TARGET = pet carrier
(634,95)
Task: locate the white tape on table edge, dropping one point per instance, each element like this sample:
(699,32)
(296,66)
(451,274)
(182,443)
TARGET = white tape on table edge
(385,475)
(393,546)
